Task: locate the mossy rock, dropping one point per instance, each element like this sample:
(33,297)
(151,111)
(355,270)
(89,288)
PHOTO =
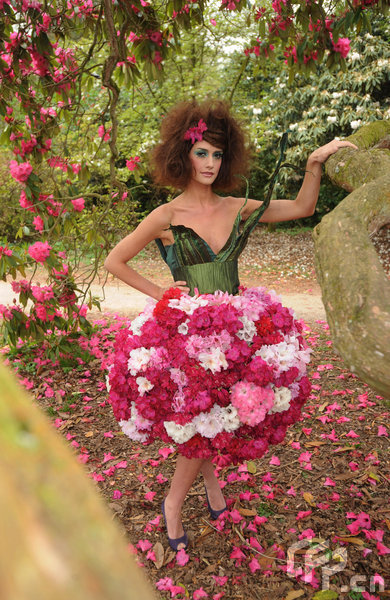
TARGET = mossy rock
(351,169)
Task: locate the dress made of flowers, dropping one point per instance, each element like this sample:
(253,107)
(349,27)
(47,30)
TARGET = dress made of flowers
(220,372)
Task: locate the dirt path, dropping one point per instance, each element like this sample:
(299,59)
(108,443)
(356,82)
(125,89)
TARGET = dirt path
(123,300)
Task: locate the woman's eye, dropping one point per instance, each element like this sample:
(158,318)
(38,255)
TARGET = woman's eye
(201,154)
(218,155)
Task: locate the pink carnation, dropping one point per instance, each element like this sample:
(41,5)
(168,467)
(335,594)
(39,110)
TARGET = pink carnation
(78,204)
(39,251)
(203,352)
(20,171)
(252,402)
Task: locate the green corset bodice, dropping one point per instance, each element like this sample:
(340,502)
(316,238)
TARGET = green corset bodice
(191,259)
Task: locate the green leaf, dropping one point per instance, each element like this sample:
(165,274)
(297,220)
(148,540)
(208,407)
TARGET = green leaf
(251,466)
(326,595)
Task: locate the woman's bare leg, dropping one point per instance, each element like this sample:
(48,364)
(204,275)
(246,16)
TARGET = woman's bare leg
(214,492)
(184,476)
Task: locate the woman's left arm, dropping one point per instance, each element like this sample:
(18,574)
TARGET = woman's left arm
(306,200)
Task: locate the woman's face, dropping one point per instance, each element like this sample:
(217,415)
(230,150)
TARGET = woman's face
(206,161)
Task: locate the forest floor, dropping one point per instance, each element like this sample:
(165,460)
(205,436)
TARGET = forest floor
(321,494)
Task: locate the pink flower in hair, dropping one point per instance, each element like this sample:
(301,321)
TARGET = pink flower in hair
(196,133)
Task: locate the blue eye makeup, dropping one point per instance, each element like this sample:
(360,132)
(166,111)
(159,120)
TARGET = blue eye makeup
(203,153)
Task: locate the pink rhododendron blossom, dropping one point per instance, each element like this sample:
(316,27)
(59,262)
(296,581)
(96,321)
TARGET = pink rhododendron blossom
(342,46)
(254,565)
(200,593)
(133,163)
(39,251)
(149,496)
(382,549)
(182,558)
(302,514)
(382,431)
(20,171)
(329,481)
(362,521)
(78,204)
(5,251)
(144,545)
(38,223)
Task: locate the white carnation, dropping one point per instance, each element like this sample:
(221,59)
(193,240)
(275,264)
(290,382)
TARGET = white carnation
(282,399)
(183,327)
(136,324)
(134,424)
(214,360)
(248,330)
(139,359)
(179,433)
(129,428)
(144,385)
(209,424)
(280,356)
(230,419)
(187,304)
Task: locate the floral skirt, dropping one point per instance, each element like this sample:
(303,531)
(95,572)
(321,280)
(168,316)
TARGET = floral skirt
(218,375)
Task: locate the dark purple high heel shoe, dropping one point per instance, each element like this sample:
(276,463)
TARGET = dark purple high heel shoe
(214,514)
(174,543)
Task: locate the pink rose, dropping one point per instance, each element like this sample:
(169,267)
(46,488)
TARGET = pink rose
(78,204)
(39,251)
(20,171)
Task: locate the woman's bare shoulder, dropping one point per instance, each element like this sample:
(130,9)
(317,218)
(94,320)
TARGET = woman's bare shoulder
(160,217)
(246,208)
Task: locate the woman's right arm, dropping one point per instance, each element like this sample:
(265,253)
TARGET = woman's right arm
(116,262)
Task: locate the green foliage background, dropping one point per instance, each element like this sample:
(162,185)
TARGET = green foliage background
(315,107)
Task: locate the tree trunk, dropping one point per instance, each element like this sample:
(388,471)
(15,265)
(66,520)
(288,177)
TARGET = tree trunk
(355,288)
(58,541)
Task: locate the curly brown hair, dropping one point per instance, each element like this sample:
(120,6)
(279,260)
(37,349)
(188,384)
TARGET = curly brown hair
(171,165)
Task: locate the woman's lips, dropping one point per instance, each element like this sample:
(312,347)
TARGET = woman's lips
(207,174)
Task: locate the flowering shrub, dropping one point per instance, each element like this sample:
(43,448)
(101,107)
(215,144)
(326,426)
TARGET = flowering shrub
(50,85)
(215,373)
(317,108)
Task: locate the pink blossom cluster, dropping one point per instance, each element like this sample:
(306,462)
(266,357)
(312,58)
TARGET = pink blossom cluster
(5,251)
(20,171)
(215,374)
(133,163)
(78,204)
(39,251)
(230,4)
(196,133)
(342,46)
(103,133)
(252,402)
(259,48)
